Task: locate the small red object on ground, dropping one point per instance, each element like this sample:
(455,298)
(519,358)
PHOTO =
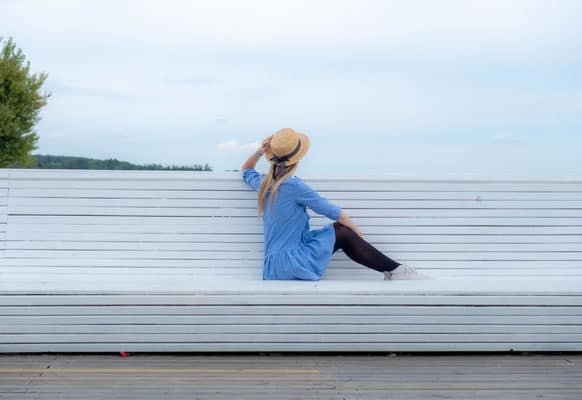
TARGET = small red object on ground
(123,354)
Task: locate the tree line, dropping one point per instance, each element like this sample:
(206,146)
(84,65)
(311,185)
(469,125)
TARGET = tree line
(68,162)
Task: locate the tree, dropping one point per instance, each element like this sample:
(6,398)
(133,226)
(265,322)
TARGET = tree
(20,104)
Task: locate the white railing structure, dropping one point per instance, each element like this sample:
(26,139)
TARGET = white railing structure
(101,261)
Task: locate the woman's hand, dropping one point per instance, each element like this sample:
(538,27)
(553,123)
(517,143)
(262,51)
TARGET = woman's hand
(346,221)
(265,145)
(360,234)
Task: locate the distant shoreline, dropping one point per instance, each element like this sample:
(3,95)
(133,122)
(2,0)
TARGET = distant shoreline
(47,161)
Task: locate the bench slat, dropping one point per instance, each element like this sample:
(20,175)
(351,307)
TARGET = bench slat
(135,238)
(547,329)
(95,213)
(255,265)
(252,222)
(291,347)
(335,195)
(301,310)
(214,182)
(541,287)
(211,175)
(25,338)
(346,273)
(306,321)
(184,248)
(296,293)
(225,231)
(410,255)
(59,203)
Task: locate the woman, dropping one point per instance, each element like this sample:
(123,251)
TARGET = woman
(291,249)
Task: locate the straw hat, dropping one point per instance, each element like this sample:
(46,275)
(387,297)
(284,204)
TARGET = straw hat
(287,147)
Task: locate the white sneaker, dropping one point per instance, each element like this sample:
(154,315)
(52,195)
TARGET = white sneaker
(404,271)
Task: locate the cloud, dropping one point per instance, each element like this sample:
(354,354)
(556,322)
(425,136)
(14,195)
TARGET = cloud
(76,89)
(233,146)
(194,81)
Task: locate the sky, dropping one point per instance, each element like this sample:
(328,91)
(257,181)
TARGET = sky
(411,89)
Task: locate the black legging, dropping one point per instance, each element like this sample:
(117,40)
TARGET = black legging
(360,250)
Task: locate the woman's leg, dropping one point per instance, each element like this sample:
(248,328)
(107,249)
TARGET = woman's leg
(360,250)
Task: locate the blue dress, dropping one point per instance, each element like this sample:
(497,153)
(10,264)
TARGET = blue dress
(292,250)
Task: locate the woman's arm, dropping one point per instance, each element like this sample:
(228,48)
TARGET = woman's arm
(345,219)
(252,160)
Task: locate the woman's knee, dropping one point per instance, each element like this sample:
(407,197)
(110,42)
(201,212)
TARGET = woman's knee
(339,230)
(338,236)
(342,235)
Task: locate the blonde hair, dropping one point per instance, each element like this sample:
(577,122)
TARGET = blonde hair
(273,185)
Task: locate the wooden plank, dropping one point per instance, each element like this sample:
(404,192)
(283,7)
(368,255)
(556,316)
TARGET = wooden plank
(547,329)
(569,286)
(270,320)
(336,195)
(161,174)
(284,347)
(384,310)
(288,293)
(236,337)
(9,266)
(548,285)
(208,283)
(216,182)
(220,221)
(337,261)
(418,256)
(345,274)
(54,233)
(64,201)
(222,211)
(106,244)
(30,173)
(51,278)
(165,175)
(255,230)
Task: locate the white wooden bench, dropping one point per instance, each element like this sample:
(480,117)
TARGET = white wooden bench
(101,261)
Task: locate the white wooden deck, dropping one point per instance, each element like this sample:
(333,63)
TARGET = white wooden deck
(171,261)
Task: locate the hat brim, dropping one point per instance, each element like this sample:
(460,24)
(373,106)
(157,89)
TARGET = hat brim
(305,143)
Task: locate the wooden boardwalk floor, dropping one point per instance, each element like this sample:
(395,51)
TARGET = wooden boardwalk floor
(291,376)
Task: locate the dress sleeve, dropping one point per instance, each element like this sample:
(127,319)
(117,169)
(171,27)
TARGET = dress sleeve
(307,196)
(252,178)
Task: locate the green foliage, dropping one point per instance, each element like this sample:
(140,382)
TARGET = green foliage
(20,104)
(64,162)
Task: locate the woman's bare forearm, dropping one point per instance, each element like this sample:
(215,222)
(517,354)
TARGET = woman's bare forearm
(252,160)
(345,219)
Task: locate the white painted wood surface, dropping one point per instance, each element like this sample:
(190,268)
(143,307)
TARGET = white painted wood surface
(172,261)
